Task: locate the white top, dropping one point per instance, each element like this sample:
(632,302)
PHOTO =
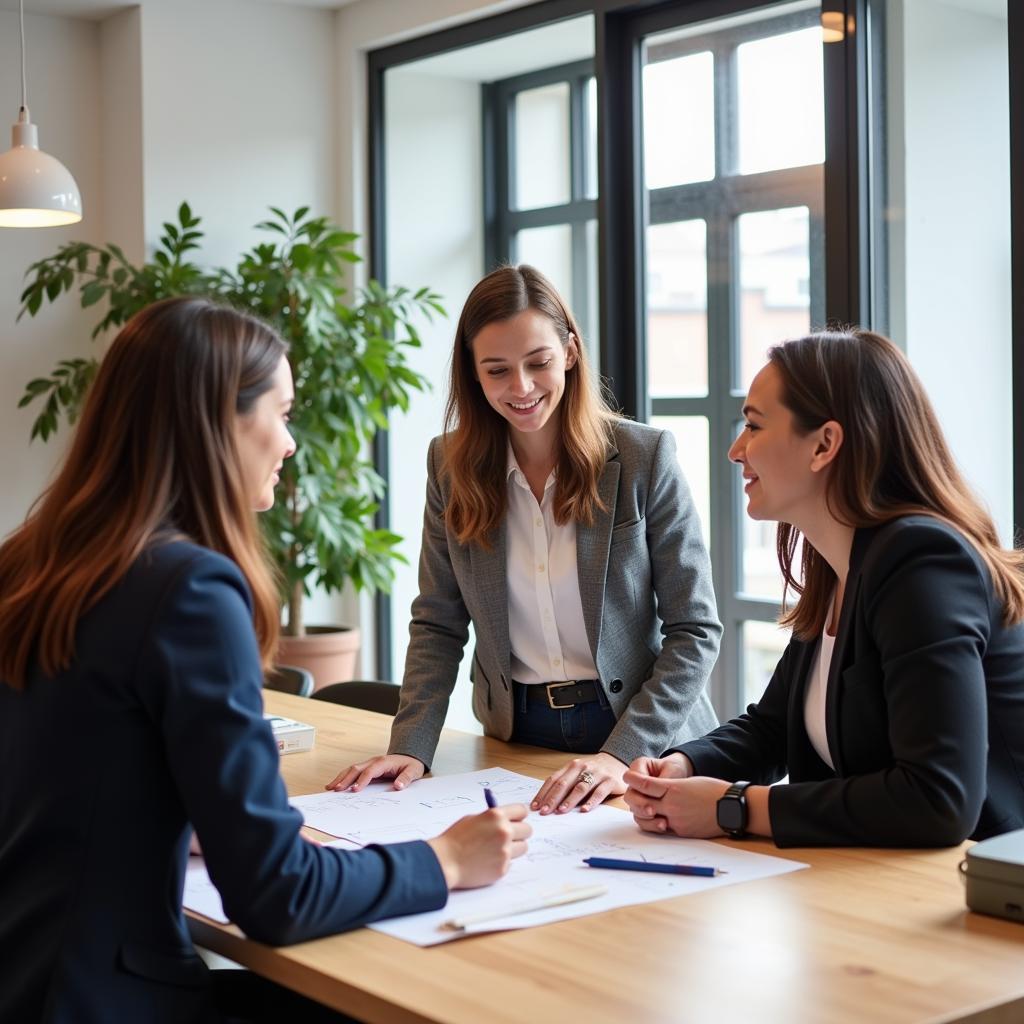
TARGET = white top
(817,690)
(545,613)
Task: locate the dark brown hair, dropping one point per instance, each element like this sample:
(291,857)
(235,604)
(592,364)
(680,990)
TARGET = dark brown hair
(153,456)
(476,436)
(894,461)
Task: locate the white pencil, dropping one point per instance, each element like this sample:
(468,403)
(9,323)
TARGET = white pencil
(588,892)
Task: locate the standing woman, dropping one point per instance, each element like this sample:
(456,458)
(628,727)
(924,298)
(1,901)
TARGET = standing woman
(136,617)
(898,707)
(568,537)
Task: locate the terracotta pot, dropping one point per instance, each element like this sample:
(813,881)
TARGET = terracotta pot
(328,652)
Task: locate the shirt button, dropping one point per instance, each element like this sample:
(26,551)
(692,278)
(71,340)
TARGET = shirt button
(556,661)
(540,568)
(538,521)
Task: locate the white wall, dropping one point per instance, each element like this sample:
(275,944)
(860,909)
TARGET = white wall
(240,108)
(950,159)
(434,204)
(63,96)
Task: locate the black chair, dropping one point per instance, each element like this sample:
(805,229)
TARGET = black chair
(367,694)
(289,679)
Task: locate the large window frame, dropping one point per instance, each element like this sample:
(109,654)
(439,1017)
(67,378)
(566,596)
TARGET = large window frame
(850,134)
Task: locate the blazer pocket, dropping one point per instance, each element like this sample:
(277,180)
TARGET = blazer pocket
(182,969)
(627,531)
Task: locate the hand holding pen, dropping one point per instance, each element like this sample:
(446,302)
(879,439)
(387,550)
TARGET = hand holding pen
(479,849)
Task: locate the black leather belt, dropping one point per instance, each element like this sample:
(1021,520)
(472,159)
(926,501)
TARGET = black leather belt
(559,696)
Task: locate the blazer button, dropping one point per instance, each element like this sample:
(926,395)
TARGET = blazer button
(616,686)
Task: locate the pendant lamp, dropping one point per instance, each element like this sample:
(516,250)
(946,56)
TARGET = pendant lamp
(36,190)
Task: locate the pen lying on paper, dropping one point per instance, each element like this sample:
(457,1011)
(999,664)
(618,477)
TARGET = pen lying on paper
(644,865)
(588,892)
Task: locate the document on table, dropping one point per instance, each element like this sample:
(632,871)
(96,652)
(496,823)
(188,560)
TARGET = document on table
(552,865)
(380,814)
(201,896)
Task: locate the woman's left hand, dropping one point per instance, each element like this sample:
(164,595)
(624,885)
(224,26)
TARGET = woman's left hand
(687,807)
(583,782)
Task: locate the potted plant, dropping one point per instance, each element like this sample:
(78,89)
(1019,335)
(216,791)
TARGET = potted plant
(349,366)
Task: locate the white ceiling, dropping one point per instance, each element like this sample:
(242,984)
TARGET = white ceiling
(558,43)
(97,10)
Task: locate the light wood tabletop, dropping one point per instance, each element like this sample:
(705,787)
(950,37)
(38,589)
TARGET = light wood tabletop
(862,936)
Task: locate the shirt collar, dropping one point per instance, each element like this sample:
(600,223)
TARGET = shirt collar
(514,473)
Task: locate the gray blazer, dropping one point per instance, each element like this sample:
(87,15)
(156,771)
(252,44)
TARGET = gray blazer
(648,605)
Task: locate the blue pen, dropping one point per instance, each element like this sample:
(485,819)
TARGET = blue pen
(643,865)
(489,797)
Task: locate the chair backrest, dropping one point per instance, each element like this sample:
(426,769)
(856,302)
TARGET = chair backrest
(368,694)
(289,679)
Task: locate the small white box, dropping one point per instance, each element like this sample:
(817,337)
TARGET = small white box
(291,736)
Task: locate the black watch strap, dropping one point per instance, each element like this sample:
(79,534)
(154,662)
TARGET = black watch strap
(732,812)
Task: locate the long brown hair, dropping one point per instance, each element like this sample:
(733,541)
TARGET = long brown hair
(153,456)
(894,461)
(476,437)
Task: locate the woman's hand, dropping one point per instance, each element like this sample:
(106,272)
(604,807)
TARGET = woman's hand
(584,781)
(478,850)
(400,767)
(686,806)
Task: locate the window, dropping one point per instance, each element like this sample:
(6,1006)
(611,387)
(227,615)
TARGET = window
(543,171)
(733,258)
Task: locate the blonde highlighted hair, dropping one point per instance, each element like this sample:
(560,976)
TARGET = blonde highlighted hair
(474,457)
(894,461)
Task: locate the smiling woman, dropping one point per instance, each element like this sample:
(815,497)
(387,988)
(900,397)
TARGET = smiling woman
(567,536)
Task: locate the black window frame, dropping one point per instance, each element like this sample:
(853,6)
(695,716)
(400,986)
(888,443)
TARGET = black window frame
(851,146)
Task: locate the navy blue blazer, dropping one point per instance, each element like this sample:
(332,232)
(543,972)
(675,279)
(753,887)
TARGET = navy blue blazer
(924,711)
(158,725)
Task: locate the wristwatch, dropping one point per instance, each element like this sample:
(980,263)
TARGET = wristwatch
(732,810)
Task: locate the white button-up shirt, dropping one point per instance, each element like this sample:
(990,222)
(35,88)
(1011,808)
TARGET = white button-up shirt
(546,630)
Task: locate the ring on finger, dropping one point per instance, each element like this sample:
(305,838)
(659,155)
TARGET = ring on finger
(586,777)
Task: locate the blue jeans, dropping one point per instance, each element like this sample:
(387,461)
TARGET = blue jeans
(581,729)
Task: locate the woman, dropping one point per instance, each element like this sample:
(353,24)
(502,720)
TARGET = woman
(898,707)
(567,536)
(137,615)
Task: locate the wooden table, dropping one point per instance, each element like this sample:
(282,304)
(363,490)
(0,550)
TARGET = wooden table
(863,936)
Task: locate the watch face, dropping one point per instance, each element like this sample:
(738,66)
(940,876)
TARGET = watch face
(730,814)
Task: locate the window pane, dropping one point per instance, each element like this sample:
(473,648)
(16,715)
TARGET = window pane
(763,644)
(679,121)
(677,309)
(542,147)
(781,102)
(591,325)
(550,251)
(691,434)
(775,271)
(591,137)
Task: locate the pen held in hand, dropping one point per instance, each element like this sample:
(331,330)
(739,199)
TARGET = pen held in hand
(694,870)
(569,896)
(489,797)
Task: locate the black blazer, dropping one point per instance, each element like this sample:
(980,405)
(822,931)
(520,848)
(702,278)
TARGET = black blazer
(924,710)
(158,724)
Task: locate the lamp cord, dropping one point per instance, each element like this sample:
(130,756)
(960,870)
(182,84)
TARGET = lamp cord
(24,86)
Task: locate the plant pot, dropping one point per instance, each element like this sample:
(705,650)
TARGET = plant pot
(328,652)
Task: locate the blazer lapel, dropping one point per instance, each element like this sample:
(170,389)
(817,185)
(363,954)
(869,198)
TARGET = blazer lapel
(490,579)
(592,546)
(842,649)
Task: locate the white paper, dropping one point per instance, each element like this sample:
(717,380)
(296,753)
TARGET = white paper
(553,864)
(380,814)
(200,894)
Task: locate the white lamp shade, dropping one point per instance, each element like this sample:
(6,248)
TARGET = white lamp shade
(36,190)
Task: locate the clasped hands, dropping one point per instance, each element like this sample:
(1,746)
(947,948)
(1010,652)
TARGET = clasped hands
(665,796)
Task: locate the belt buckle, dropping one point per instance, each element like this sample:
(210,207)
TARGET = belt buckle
(551,699)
